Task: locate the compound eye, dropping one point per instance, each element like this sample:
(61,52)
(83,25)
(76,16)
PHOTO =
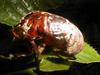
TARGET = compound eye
(17,32)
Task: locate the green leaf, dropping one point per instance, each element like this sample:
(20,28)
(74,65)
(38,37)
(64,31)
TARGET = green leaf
(11,11)
(53,63)
(88,55)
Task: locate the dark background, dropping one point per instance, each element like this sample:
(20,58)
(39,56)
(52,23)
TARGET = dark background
(84,14)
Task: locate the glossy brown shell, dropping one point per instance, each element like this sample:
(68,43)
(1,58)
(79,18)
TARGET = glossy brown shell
(55,31)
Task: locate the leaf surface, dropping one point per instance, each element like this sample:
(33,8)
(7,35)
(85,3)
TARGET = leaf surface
(88,55)
(11,11)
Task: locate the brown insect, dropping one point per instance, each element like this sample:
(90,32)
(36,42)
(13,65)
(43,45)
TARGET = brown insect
(50,30)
